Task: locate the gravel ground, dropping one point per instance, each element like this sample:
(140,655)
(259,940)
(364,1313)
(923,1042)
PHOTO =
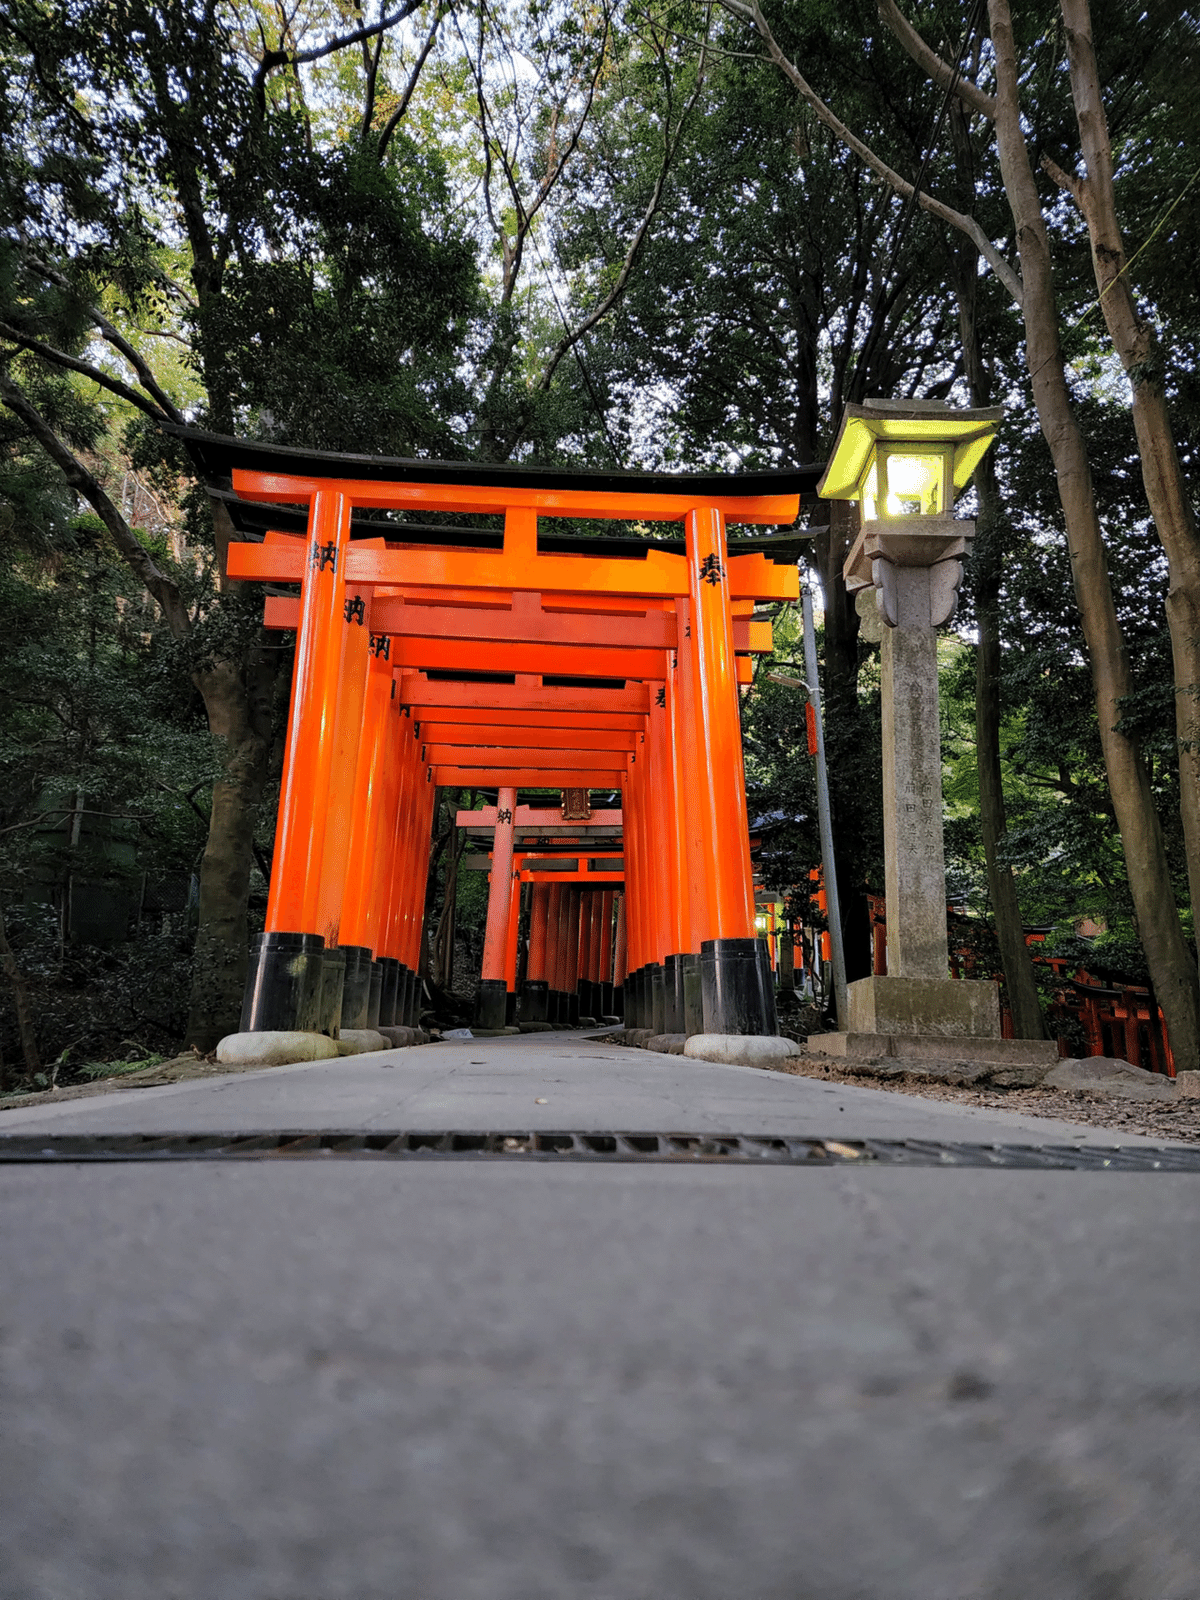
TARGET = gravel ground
(1178,1119)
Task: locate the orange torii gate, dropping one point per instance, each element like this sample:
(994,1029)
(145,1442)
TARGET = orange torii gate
(379,611)
(549,994)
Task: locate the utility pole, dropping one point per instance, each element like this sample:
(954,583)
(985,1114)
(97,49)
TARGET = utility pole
(824,816)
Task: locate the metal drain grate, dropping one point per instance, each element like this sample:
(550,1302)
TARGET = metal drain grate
(710,1148)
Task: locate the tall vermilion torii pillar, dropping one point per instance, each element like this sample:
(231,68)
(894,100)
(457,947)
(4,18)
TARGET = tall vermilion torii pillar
(284,987)
(535,993)
(359,930)
(736,994)
(493,989)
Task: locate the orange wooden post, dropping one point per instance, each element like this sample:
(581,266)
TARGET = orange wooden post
(412,951)
(536,989)
(589,942)
(393,908)
(339,822)
(284,989)
(634,887)
(646,890)
(512,949)
(669,858)
(359,920)
(620,956)
(688,832)
(571,963)
(604,954)
(339,810)
(555,1004)
(735,996)
(491,1003)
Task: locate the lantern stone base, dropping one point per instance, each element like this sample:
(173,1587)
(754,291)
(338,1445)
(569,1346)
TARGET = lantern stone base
(912,1052)
(947,1007)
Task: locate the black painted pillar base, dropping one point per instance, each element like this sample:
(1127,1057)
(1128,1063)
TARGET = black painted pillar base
(535,998)
(693,1004)
(673,994)
(618,1001)
(589,999)
(733,994)
(375,995)
(635,990)
(491,1003)
(356,987)
(573,1008)
(510,1008)
(390,994)
(283,990)
(404,983)
(658,998)
(333,977)
(605,1002)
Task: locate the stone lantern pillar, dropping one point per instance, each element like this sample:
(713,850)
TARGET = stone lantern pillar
(905,463)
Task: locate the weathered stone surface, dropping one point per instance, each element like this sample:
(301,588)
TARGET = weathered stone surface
(667,1044)
(279,1049)
(944,1006)
(536,1027)
(398,1036)
(914,863)
(741,1049)
(997,1074)
(916,1047)
(361,1041)
(1102,1075)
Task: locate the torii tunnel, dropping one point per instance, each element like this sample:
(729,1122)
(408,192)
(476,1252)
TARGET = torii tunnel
(509,658)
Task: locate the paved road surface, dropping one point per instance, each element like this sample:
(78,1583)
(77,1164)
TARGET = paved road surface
(475,1381)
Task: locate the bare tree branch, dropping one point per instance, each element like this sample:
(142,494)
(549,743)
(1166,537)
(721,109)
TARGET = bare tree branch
(750,12)
(930,62)
(137,557)
(299,58)
(670,147)
(117,339)
(72,364)
(389,127)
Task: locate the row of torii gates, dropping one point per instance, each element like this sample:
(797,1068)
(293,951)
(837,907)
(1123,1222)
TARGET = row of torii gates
(513,657)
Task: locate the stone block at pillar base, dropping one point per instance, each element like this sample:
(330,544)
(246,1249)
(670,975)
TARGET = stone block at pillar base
(913,1048)
(535,1027)
(274,1048)
(945,1007)
(741,1049)
(667,1044)
(399,1037)
(361,1041)
(942,1058)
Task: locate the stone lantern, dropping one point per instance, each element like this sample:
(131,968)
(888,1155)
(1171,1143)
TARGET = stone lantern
(905,463)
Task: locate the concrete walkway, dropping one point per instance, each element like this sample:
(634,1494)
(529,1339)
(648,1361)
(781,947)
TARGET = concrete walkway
(480,1380)
(540,1081)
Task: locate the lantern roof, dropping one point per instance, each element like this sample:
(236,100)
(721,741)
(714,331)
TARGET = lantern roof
(909,422)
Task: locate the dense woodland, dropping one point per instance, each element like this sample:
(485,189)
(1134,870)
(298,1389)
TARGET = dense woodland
(673,235)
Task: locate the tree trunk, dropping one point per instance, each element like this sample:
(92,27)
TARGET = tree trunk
(237,698)
(1028,1022)
(20,993)
(1172,970)
(1135,343)
(986,567)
